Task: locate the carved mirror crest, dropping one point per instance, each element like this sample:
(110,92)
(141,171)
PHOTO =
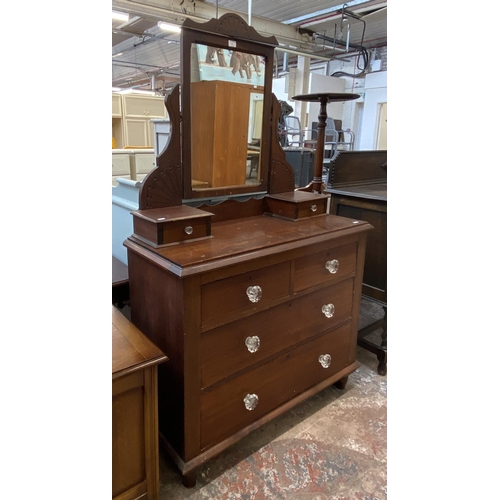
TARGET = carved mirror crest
(222,145)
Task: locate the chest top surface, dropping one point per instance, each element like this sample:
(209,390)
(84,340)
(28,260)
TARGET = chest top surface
(249,238)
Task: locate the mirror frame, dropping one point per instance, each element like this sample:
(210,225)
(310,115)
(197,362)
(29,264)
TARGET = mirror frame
(222,33)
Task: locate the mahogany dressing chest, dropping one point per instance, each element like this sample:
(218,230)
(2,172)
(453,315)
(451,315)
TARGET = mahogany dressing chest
(252,290)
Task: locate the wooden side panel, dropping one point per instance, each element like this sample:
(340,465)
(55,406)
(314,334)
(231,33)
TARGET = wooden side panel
(151,433)
(356,300)
(129,458)
(147,230)
(192,366)
(375,271)
(157,309)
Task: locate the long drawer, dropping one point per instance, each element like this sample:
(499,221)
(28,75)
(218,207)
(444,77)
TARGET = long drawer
(244,342)
(227,299)
(242,400)
(322,267)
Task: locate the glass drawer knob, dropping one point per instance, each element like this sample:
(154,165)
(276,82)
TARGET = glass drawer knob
(328,310)
(188,229)
(314,208)
(325,360)
(251,401)
(254,293)
(252,343)
(332,265)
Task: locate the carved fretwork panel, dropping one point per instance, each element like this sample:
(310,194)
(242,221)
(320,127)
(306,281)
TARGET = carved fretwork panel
(162,187)
(281,178)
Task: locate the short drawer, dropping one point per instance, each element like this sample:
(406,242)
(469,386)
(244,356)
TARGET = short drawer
(254,394)
(121,164)
(297,204)
(244,342)
(227,299)
(322,267)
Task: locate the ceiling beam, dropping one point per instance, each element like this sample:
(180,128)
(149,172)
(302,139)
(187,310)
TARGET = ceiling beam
(203,12)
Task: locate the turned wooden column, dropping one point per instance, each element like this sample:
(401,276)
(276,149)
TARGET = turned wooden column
(323,99)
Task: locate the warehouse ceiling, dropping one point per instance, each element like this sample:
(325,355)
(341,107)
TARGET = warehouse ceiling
(146,57)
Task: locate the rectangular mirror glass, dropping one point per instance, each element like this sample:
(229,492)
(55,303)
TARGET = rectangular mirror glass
(227,103)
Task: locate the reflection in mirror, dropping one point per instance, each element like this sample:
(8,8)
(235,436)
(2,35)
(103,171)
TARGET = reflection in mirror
(227,93)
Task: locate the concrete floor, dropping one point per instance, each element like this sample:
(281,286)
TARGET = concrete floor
(332,446)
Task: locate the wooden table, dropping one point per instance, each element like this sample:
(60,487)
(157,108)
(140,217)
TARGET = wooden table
(323,99)
(135,412)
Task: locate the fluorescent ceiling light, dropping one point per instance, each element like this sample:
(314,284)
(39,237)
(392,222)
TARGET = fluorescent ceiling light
(137,91)
(119,16)
(118,54)
(169,27)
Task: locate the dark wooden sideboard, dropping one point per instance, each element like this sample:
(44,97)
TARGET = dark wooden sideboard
(135,459)
(357,183)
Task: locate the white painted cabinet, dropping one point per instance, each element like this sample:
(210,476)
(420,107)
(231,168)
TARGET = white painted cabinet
(131,117)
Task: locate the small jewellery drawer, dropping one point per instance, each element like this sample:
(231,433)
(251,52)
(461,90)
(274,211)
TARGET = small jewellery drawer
(227,299)
(244,342)
(297,204)
(254,394)
(164,226)
(321,267)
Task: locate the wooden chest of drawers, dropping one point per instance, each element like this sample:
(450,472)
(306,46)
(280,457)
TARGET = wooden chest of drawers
(254,320)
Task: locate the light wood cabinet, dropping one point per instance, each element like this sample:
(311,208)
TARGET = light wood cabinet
(219,132)
(143,105)
(131,117)
(137,132)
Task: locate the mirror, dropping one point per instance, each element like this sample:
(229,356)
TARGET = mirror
(226,107)
(227,94)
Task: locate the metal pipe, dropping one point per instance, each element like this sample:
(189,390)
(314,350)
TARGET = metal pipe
(340,42)
(304,54)
(249,12)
